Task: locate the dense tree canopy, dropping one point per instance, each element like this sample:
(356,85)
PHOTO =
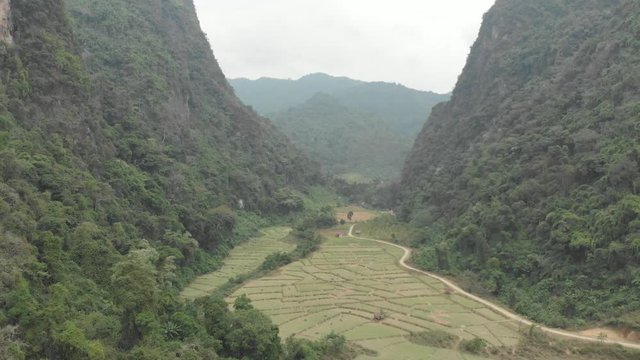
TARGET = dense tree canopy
(123,157)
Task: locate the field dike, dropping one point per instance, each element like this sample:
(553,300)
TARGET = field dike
(348,283)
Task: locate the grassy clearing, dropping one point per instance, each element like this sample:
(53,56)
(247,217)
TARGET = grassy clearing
(340,288)
(355,178)
(359,214)
(242,259)
(386,227)
(434,338)
(319,197)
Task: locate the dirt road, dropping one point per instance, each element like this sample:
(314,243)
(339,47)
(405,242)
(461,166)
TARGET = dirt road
(497,308)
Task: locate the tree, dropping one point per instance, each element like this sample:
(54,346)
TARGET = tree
(74,345)
(350,215)
(135,289)
(242,302)
(10,347)
(251,335)
(288,201)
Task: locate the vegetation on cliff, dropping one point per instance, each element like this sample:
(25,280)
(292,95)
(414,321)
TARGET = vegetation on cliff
(124,159)
(527,181)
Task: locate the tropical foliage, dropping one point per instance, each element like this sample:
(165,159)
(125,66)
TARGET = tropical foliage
(127,167)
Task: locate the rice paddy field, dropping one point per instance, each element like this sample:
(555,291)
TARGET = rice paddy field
(342,286)
(243,259)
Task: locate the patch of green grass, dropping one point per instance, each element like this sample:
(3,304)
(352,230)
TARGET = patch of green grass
(319,197)
(434,338)
(373,331)
(386,227)
(474,346)
(355,178)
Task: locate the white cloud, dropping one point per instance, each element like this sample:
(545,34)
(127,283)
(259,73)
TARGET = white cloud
(419,43)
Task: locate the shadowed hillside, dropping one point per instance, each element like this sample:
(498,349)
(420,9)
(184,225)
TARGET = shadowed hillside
(343,140)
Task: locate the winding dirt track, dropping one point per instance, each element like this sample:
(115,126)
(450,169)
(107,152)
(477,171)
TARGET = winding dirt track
(497,308)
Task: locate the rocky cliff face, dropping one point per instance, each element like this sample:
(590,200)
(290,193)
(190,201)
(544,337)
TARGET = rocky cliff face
(536,154)
(6,27)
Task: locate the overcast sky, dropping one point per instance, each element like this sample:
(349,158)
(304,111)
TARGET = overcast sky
(419,43)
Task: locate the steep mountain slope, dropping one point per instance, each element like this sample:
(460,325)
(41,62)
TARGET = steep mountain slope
(161,84)
(123,153)
(529,176)
(344,140)
(404,110)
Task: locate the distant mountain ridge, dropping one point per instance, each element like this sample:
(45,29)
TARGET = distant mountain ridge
(269,95)
(343,140)
(403,109)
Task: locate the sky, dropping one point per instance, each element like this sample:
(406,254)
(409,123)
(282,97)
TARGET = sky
(422,44)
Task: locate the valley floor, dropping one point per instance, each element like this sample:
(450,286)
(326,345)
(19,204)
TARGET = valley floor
(363,289)
(343,285)
(589,336)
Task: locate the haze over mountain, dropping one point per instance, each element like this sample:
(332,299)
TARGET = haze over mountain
(421,44)
(338,120)
(403,109)
(347,142)
(529,179)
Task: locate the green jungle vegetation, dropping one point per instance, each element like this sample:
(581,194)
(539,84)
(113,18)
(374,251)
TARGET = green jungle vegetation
(527,183)
(344,141)
(128,167)
(359,131)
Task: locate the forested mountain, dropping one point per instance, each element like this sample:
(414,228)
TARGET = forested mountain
(269,95)
(529,177)
(404,110)
(123,154)
(343,140)
(355,129)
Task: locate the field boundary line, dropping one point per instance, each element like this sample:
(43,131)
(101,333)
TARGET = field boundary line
(493,306)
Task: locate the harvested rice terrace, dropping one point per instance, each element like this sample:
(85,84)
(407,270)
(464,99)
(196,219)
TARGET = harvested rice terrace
(243,259)
(343,285)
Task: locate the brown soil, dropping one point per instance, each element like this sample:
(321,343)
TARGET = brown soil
(613,334)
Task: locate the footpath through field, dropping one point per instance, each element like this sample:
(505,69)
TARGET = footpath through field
(356,288)
(494,307)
